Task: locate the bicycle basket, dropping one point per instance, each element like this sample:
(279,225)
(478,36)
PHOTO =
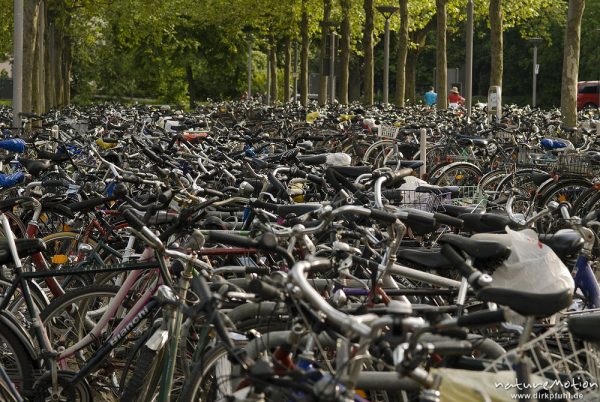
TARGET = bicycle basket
(385,131)
(568,366)
(575,164)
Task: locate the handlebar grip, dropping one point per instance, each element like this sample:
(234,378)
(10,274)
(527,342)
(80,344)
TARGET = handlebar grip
(257,270)
(225,237)
(451,347)
(383,216)
(132,179)
(393,195)
(133,220)
(315,179)
(482,318)
(448,220)
(89,204)
(419,219)
(457,261)
(54,183)
(264,290)
(398,175)
(265,205)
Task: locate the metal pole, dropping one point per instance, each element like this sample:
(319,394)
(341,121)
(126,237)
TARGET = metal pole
(269,77)
(249,67)
(469,61)
(533,101)
(295,70)
(332,68)
(17,101)
(423,150)
(386,61)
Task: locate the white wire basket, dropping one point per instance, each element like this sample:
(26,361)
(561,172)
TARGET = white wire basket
(385,131)
(468,195)
(562,367)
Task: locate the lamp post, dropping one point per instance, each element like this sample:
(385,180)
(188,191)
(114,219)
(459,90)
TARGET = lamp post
(387,12)
(331,25)
(535,42)
(248,32)
(469,60)
(598,83)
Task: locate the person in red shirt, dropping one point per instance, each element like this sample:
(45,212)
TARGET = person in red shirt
(454,97)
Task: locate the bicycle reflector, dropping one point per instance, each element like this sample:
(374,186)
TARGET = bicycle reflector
(59,259)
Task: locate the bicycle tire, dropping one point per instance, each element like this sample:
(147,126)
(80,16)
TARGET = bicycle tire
(200,371)
(453,169)
(22,372)
(143,371)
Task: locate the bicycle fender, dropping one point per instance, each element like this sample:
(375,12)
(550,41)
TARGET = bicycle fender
(10,321)
(445,168)
(158,339)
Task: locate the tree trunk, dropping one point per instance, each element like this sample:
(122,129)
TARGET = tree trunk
(30,28)
(345,51)
(570,73)
(369,68)
(287,68)
(304,56)
(189,76)
(67,61)
(58,67)
(402,54)
(324,56)
(48,71)
(441,65)
(39,78)
(273,64)
(411,75)
(497,47)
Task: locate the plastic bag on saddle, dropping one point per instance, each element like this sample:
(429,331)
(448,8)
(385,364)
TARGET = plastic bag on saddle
(531,267)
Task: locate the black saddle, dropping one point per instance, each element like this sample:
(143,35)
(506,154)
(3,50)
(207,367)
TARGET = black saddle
(352,171)
(539,177)
(525,303)
(564,243)
(405,164)
(481,249)
(478,142)
(425,257)
(283,210)
(313,159)
(457,210)
(25,248)
(486,223)
(585,327)
(35,166)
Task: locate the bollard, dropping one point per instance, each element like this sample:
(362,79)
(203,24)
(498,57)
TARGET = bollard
(423,151)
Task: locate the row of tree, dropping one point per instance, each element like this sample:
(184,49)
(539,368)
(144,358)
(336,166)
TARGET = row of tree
(189,49)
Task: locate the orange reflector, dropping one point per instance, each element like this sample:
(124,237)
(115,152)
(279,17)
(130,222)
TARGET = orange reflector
(361,393)
(59,259)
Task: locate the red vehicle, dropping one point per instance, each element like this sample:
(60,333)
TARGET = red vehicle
(587,94)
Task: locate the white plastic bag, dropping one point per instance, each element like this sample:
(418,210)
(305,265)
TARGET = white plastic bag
(531,267)
(412,199)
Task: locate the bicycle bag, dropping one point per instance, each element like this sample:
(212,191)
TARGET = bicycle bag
(531,267)
(9,180)
(13,145)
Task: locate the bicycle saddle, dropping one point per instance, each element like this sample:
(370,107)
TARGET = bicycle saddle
(351,171)
(437,189)
(483,249)
(58,157)
(485,223)
(425,257)
(564,243)
(405,164)
(585,327)
(282,210)
(456,210)
(478,142)
(35,166)
(25,248)
(526,303)
(539,177)
(313,159)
